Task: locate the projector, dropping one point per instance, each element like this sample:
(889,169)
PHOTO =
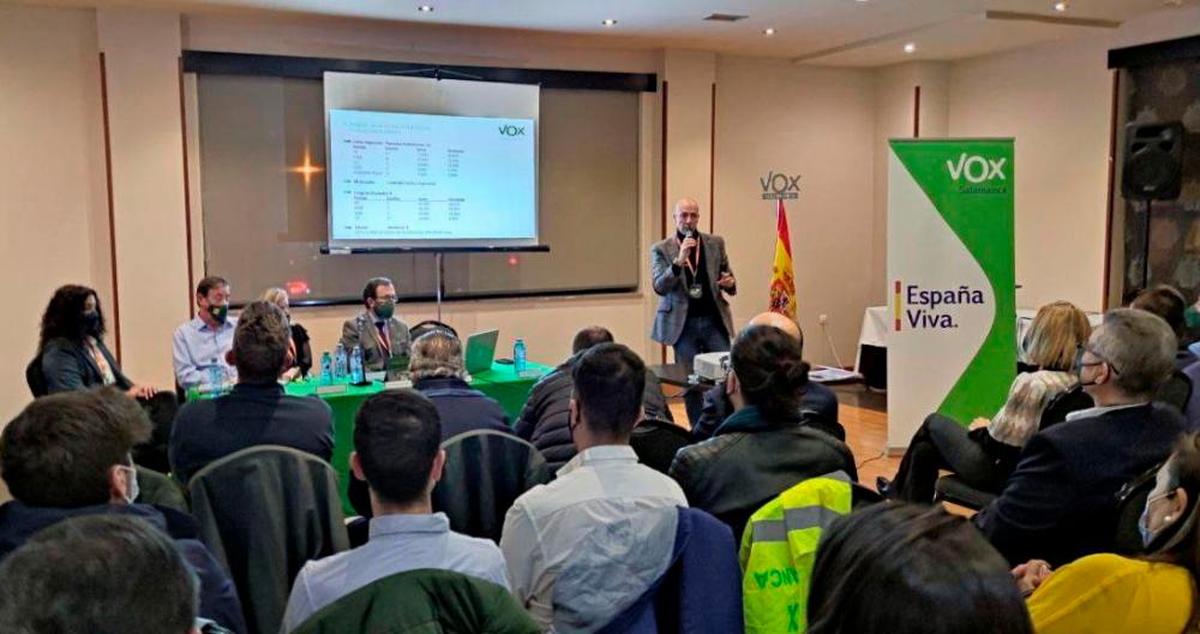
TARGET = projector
(711,366)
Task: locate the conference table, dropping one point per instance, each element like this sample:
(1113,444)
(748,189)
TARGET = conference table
(501,382)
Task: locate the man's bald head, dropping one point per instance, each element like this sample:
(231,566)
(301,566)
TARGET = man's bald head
(687,214)
(780,321)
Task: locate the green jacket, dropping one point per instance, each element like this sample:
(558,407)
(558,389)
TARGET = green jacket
(423,602)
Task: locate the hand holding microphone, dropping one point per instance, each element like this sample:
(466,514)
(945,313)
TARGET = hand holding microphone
(685,249)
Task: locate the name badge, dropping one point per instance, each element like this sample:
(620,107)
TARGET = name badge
(695,291)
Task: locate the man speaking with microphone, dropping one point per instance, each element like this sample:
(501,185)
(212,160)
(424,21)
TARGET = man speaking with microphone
(690,270)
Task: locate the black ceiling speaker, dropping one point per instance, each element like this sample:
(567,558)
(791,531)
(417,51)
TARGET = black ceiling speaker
(1153,161)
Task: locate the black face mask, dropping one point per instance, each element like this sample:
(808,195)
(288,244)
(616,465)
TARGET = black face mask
(91,323)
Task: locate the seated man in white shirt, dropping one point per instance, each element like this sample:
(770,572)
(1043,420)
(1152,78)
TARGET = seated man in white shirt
(584,547)
(397,450)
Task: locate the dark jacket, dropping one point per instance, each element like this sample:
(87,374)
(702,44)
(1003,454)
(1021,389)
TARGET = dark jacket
(1060,504)
(701,591)
(252,414)
(815,398)
(544,419)
(461,408)
(751,460)
(420,601)
(67,365)
(304,358)
(218,597)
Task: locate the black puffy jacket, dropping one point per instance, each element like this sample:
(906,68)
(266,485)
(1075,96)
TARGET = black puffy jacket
(544,419)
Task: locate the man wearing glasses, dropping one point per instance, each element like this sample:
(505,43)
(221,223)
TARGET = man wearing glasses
(1060,503)
(382,335)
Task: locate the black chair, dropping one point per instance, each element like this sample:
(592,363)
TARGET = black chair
(655,441)
(430,325)
(1057,409)
(34,377)
(953,489)
(486,471)
(1176,391)
(1131,501)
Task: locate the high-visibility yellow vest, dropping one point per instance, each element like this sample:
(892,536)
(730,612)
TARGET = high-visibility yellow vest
(778,550)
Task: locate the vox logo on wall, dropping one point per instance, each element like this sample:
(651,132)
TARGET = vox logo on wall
(780,186)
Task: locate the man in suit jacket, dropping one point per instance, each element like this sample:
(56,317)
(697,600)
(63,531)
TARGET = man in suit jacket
(690,271)
(1060,503)
(381,335)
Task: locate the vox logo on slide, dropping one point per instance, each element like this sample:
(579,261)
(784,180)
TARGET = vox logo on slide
(977,170)
(512,130)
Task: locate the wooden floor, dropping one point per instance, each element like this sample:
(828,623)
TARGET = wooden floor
(864,415)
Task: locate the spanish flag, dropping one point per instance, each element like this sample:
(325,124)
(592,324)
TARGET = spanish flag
(783,281)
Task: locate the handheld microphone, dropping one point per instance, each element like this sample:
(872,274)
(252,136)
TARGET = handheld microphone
(688,234)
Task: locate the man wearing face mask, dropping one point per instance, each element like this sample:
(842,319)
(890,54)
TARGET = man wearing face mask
(68,455)
(200,344)
(382,335)
(1060,502)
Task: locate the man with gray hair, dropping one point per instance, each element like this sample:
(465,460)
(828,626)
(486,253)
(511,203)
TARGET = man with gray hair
(1060,503)
(438,372)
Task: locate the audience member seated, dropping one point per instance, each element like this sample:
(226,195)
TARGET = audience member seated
(437,372)
(1060,502)
(814,397)
(908,569)
(302,357)
(200,345)
(397,451)
(1168,303)
(1147,595)
(67,455)
(71,351)
(256,411)
(604,508)
(986,455)
(97,574)
(381,335)
(544,419)
(763,448)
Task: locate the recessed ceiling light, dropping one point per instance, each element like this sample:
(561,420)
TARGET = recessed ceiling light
(425,8)
(768,31)
(910,48)
(609,22)
(1061,5)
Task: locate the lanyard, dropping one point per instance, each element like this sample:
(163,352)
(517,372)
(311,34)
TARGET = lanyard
(384,341)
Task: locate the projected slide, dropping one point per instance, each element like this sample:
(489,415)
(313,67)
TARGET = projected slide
(413,177)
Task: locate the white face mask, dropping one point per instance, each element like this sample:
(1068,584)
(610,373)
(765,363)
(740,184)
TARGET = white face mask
(132,490)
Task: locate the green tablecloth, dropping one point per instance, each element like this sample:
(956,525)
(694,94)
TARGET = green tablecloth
(500,383)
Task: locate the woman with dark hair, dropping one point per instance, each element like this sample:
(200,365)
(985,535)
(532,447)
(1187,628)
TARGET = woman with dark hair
(764,448)
(902,568)
(71,352)
(1148,595)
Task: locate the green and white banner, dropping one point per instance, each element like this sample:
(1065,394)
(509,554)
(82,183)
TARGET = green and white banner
(951,286)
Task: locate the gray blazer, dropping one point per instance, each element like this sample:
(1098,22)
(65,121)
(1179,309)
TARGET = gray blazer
(673,297)
(361,331)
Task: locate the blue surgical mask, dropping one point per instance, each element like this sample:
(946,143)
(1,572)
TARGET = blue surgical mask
(1144,520)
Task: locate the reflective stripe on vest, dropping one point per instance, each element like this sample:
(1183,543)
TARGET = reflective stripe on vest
(779,547)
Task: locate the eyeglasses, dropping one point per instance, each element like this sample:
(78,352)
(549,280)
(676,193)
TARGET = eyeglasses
(1080,349)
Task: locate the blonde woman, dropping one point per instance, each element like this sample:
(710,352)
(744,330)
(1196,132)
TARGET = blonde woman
(984,456)
(302,352)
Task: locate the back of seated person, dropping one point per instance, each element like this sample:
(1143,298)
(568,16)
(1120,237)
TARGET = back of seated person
(68,455)
(397,451)
(1060,502)
(256,411)
(97,574)
(437,371)
(544,418)
(910,569)
(764,447)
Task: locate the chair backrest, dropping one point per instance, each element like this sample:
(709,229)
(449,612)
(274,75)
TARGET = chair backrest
(1176,391)
(34,377)
(656,441)
(486,471)
(1192,411)
(1131,500)
(264,511)
(1057,409)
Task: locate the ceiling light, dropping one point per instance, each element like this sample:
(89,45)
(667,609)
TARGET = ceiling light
(768,31)
(910,48)
(1061,5)
(425,8)
(609,22)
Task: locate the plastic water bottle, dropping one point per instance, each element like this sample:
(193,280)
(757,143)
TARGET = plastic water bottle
(356,365)
(326,368)
(340,365)
(519,356)
(216,377)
